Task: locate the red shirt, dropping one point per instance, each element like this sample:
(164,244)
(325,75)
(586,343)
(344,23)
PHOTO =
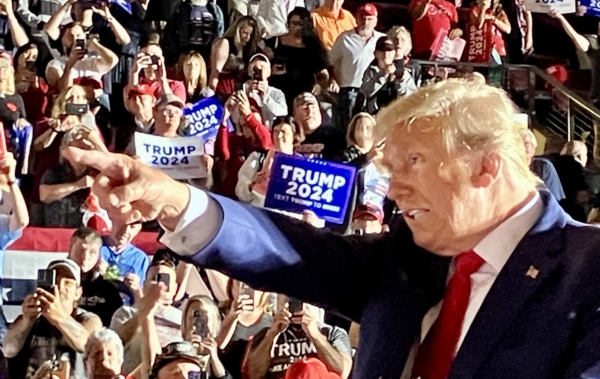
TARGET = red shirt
(176,86)
(233,149)
(498,40)
(36,102)
(439,15)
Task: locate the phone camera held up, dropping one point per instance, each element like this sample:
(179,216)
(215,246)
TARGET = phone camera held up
(80,44)
(154,59)
(46,280)
(200,323)
(257,74)
(163,278)
(295,305)
(76,109)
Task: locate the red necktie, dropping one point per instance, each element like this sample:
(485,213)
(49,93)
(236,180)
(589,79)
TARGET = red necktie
(436,353)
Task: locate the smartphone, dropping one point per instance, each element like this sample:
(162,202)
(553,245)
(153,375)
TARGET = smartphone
(200,323)
(295,305)
(80,44)
(257,74)
(76,109)
(154,59)
(163,278)
(46,280)
(195,375)
(30,66)
(246,290)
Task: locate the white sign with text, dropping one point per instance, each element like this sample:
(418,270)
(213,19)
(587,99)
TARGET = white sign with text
(180,157)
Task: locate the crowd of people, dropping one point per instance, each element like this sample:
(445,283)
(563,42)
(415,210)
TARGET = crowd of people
(294,77)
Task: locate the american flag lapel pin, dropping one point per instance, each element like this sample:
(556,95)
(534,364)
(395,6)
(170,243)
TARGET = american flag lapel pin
(532,272)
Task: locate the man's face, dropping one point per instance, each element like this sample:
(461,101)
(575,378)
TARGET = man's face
(104,360)
(124,234)
(308,116)
(68,290)
(262,66)
(529,148)
(168,116)
(151,277)
(432,188)
(178,370)
(69,36)
(141,103)
(85,254)
(364,22)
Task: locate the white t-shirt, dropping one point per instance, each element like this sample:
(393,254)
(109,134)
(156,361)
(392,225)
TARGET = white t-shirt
(168,327)
(87,67)
(351,55)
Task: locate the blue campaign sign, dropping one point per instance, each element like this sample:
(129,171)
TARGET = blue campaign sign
(593,7)
(298,183)
(124,4)
(205,118)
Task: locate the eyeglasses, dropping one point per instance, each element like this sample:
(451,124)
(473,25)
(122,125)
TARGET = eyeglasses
(171,113)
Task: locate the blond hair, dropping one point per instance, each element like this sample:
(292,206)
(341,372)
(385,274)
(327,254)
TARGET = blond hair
(354,122)
(61,101)
(401,34)
(191,56)
(8,87)
(475,117)
(212,311)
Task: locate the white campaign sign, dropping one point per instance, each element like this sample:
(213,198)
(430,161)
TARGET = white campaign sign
(180,157)
(544,6)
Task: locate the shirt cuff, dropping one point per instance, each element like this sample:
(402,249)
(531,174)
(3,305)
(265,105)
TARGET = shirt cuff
(196,208)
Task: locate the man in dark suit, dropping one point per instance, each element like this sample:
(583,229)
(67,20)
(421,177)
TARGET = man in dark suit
(522,297)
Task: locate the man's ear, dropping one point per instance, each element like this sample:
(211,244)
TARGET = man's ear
(485,170)
(78,293)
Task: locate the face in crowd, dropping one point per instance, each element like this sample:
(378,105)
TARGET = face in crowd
(308,116)
(168,115)
(141,103)
(366,22)
(85,253)
(363,132)
(68,290)
(283,137)
(122,235)
(104,360)
(152,276)
(69,36)
(259,65)
(245,34)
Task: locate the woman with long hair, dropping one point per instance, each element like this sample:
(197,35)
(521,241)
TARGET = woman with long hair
(192,72)
(491,12)
(299,59)
(360,139)
(230,55)
(48,133)
(32,88)
(248,313)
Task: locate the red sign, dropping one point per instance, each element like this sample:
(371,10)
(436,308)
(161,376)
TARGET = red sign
(481,42)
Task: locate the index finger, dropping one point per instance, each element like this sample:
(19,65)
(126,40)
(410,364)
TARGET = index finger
(99,160)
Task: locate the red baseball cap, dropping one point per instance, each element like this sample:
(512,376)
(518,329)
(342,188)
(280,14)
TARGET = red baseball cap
(559,73)
(369,211)
(310,368)
(142,89)
(367,9)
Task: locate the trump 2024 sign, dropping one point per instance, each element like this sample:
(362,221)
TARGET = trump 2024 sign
(297,184)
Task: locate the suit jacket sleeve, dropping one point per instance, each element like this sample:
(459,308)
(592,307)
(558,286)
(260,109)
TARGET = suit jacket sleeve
(274,253)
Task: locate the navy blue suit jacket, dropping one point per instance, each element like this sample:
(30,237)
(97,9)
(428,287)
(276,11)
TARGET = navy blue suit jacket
(530,328)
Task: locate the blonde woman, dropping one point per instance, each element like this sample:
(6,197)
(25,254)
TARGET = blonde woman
(201,324)
(401,37)
(48,133)
(230,55)
(249,313)
(192,72)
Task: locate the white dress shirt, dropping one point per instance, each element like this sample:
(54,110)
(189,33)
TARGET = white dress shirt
(272,15)
(495,249)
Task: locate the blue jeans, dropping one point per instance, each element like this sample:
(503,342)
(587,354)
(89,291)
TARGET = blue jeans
(345,107)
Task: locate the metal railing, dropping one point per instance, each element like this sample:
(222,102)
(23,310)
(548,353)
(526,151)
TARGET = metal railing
(552,107)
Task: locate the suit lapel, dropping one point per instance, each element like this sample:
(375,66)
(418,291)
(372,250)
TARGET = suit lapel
(532,262)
